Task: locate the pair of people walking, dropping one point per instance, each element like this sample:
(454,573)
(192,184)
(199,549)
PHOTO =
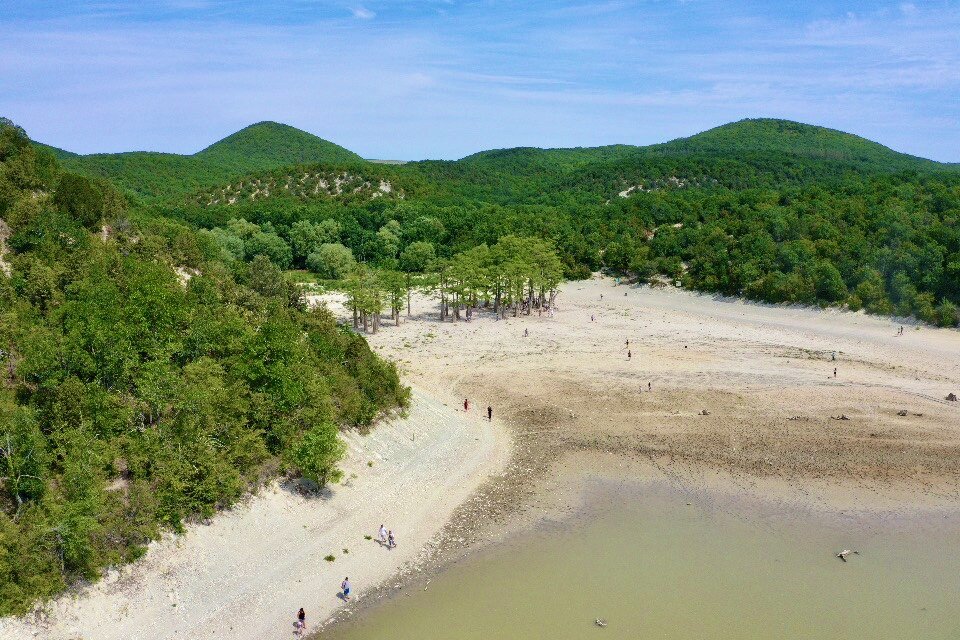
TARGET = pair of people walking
(466,407)
(387,538)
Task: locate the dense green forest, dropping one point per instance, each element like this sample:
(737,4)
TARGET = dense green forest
(259,147)
(767,209)
(146,380)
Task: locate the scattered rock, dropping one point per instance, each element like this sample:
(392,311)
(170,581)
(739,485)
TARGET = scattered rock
(843,554)
(842,416)
(902,412)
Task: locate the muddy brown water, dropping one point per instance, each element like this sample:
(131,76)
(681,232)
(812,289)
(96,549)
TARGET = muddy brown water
(656,562)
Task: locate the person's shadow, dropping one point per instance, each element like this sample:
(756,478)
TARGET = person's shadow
(342,596)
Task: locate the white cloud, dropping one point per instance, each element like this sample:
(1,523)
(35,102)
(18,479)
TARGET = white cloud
(363,13)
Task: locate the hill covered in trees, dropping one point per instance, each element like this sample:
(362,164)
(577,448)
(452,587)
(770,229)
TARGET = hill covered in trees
(767,209)
(145,379)
(260,147)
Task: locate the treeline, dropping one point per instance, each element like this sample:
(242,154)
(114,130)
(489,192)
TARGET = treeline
(145,380)
(888,244)
(516,274)
(780,229)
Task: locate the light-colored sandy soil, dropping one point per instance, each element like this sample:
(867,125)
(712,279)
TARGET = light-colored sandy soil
(245,575)
(741,396)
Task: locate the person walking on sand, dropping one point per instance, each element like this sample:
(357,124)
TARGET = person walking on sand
(628,343)
(629,355)
(345,588)
(834,372)
(466,404)
(391,541)
(649,386)
(489,413)
(383,535)
(301,622)
(591,317)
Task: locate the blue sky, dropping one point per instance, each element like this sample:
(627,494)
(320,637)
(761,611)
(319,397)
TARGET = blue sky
(444,78)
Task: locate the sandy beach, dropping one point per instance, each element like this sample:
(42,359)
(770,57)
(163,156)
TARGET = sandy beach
(245,574)
(716,393)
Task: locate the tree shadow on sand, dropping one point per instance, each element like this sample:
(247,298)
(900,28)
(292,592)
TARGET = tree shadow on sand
(306,489)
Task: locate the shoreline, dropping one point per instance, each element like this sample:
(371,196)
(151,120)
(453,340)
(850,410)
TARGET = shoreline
(760,372)
(253,566)
(572,499)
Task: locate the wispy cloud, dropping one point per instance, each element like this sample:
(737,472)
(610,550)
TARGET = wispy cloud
(363,13)
(435,78)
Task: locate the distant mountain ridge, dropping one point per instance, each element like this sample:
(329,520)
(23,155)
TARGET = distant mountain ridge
(782,146)
(752,135)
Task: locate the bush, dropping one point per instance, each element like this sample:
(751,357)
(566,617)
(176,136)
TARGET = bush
(80,199)
(332,261)
(270,245)
(416,257)
(316,454)
(947,314)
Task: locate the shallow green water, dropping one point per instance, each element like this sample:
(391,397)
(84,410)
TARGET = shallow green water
(654,567)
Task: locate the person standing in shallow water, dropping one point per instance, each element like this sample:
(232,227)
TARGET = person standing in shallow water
(345,588)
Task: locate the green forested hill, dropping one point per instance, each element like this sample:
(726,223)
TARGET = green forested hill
(767,209)
(274,144)
(760,136)
(145,379)
(797,139)
(260,147)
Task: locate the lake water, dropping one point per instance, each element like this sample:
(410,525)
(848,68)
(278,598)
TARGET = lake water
(654,567)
